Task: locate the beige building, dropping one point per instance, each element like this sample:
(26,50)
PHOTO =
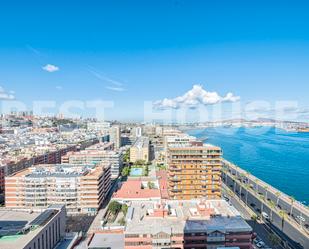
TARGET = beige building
(115,136)
(81,188)
(140,150)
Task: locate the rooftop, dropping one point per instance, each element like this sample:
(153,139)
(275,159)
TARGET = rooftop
(57,170)
(112,241)
(184,216)
(17,227)
(141,142)
(132,189)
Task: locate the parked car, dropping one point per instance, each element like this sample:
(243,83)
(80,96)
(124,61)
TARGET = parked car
(261,244)
(301,218)
(265,215)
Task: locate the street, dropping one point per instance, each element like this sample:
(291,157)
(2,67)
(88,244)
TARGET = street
(288,229)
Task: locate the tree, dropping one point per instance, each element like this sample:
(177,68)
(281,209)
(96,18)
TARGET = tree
(274,240)
(272,206)
(146,170)
(278,194)
(124,209)
(151,185)
(114,207)
(265,187)
(122,221)
(292,199)
(140,162)
(254,217)
(125,171)
(282,214)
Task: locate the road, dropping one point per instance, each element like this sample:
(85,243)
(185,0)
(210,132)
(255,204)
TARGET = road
(258,227)
(295,210)
(243,185)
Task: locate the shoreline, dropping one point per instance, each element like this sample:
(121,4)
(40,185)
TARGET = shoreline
(299,200)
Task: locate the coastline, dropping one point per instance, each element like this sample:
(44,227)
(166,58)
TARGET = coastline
(269,156)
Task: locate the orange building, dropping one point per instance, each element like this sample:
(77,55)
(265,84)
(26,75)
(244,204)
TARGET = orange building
(194,171)
(81,188)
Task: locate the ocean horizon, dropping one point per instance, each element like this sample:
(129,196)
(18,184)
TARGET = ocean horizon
(276,156)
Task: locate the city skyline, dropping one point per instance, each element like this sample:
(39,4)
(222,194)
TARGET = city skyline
(132,54)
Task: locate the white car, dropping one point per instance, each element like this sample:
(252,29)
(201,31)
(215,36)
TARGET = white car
(301,218)
(265,215)
(261,244)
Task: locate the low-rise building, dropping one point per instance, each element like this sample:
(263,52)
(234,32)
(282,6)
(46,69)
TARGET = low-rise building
(185,224)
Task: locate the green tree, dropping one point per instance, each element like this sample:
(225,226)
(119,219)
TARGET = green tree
(122,221)
(140,162)
(274,240)
(254,217)
(272,206)
(125,171)
(151,185)
(124,209)
(114,207)
(292,199)
(282,215)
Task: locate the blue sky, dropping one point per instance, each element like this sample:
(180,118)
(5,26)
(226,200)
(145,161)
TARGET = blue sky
(129,52)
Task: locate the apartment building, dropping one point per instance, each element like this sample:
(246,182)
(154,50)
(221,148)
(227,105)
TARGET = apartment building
(194,171)
(82,188)
(185,224)
(140,150)
(95,157)
(32,230)
(115,136)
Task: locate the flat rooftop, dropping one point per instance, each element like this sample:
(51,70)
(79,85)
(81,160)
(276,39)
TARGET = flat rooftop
(141,142)
(184,216)
(15,226)
(56,170)
(109,240)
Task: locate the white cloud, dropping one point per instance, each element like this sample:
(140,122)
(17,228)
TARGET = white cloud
(6,95)
(50,68)
(194,97)
(117,89)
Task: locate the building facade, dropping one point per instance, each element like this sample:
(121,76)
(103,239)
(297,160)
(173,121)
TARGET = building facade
(81,188)
(186,224)
(194,171)
(115,136)
(95,157)
(32,230)
(140,150)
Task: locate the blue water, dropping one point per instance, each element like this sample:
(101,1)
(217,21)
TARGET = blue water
(136,172)
(278,157)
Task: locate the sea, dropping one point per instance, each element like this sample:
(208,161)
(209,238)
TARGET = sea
(277,156)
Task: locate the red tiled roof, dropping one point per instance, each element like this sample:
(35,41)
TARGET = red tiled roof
(132,190)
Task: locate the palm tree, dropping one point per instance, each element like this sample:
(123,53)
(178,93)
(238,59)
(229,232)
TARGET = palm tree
(256,181)
(247,195)
(292,202)
(272,206)
(282,215)
(274,240)
(265,187)
(254,218)
(278,194)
